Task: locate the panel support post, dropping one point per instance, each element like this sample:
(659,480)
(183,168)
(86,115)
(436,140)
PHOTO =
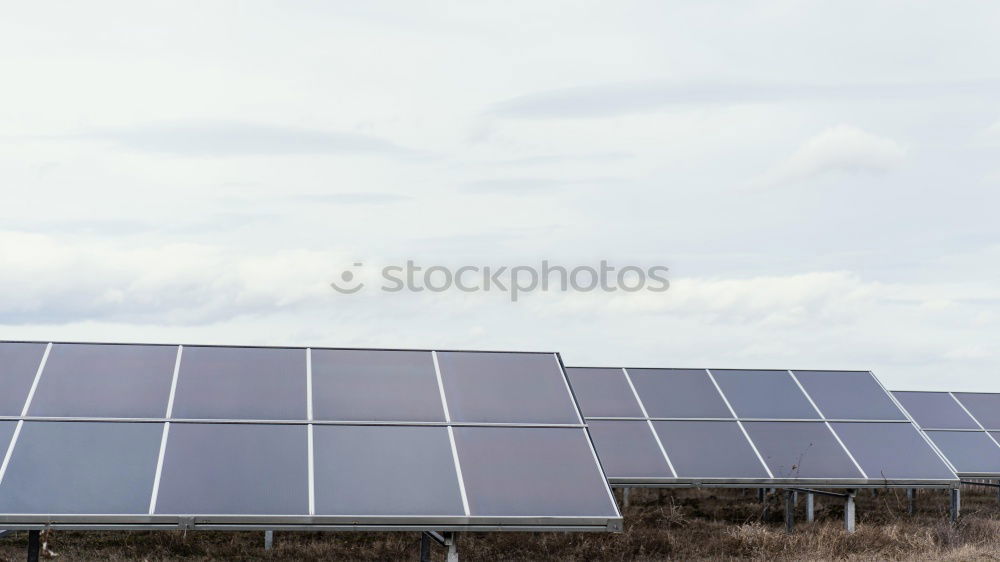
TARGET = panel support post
(425,547)
(998,490)
(449,541)
(789,511)
(849,515)
(956,504)
(810,507)
(911,501)
(760,495)
(625,497)
(268,540)
(34,542)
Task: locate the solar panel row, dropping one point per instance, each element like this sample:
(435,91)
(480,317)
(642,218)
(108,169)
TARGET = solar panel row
(147,435)
(965,427)
(740,427)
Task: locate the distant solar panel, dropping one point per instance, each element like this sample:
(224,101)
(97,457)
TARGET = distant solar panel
(959,424)
(145,436)
(682,427)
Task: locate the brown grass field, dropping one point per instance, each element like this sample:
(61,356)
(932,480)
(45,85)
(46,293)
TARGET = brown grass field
(710,524)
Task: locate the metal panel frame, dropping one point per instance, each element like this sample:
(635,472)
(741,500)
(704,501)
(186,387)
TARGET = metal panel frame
(310,521)
(845,483)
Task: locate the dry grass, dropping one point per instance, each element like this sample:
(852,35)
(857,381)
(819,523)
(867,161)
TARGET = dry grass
(659,525)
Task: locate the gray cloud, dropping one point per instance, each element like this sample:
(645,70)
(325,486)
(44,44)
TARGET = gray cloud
(607,100)
(226,138)
(515,186)
(373,198)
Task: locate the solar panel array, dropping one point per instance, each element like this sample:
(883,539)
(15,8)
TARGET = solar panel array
(151,436)
(965,427)
(662,427)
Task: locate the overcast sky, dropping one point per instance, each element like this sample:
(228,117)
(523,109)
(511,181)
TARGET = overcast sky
(822,178)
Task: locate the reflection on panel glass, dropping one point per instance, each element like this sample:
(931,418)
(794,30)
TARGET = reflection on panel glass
(970,452)
(935,410)
(984,407)
(531,472)
(628,449)
(370,385)
(234,469)
(764,394)
(506,387)
(382,470)
(82,468)
(678,393)
(603,393)
(849,395)
(18,364)
(891,451)
(801,450)
(241,383)
(110,381)
(709,449)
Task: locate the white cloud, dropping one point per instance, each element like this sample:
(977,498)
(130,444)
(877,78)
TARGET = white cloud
(842,149)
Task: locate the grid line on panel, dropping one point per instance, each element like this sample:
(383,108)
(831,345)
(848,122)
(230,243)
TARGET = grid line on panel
(974,418)
(586,429)
(739,423)
(642,408)
(828,426)
(166,431)
(451,434)
(311,461)
(24,412)
(34,383)
(569,389)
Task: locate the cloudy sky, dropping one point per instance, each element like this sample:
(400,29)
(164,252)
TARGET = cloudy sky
(822,178)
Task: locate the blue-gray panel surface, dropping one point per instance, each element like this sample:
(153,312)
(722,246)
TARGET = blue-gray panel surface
(82,468)
(764,394)
(105,381)
(603,393)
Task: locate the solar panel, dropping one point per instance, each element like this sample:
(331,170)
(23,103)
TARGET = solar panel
(936,410)
(958,423)
(729,453)
(105,381)
(373,385)
(146,436)
(506,388)
(81,468)
(377,476)
(535,471)
(753,427)
(241,383)
(629,449)
(18,364)
(984,407)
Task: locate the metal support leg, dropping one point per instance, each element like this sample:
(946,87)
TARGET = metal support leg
(911,501)
(268,540)
(625,497)
(425,548)
(33,545)
(760,495)
(849,515)
(789,511)
(956,504)
(449,539)
(998,490)
(810,507)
